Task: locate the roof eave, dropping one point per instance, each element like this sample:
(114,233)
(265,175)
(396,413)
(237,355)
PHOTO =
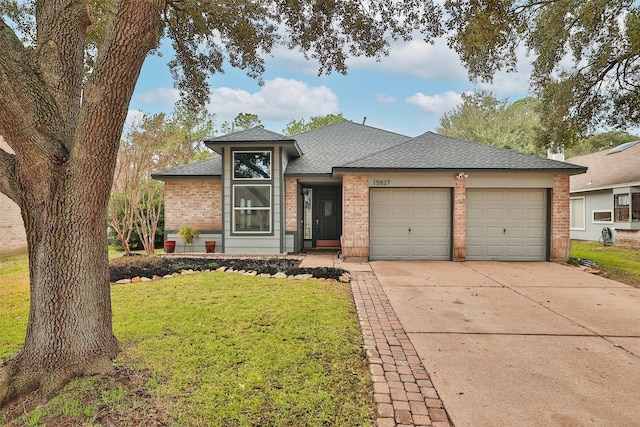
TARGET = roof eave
(162,177)
(290,145)
(564,171)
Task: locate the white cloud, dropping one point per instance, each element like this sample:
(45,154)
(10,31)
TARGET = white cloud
(418,58)
(133,117)
(278,99)
(160,95)
(384,98)
(435,104)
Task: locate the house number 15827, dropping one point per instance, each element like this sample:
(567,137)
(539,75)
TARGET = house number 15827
(381,182)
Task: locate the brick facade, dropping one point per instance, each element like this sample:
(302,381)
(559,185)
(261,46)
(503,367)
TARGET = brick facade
(355,216)
(193,202)
(560,237)
(14,239)
(291,204)
(628,238)
(460,219)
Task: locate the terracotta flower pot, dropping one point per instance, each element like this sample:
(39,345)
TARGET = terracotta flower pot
(210,246)
(169,246)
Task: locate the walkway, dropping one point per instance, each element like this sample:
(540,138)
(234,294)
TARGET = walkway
(403,392)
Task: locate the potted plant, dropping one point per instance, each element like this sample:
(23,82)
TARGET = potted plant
(188,234)
(169,246)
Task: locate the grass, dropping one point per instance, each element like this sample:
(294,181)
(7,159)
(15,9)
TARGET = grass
(211,349)
(618,263)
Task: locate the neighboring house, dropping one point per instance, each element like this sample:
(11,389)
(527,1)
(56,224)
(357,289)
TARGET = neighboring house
(373,194)
(14,239)
(608,195)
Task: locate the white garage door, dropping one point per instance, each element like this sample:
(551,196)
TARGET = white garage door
(507,225)
(410,224)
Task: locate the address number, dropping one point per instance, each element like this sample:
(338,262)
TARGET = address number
(381,182)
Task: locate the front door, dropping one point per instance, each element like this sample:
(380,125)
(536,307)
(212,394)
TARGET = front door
(327,216)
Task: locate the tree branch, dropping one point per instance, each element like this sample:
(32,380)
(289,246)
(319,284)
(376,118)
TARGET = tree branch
(8,181)
(62,30)
(27,105)
(131,32)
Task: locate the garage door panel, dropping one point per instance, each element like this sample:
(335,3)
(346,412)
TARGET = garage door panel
(506,224)
(538,214)
(424,211)
(420,214)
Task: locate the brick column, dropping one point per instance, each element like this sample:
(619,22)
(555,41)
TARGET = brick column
(291,204)
(355,217)
(460,219)
(560,236)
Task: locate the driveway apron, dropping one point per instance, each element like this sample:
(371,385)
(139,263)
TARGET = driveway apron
(521,344)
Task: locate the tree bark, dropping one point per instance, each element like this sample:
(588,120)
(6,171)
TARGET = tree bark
(66,135)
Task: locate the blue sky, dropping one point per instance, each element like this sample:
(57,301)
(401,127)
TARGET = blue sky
(406,92)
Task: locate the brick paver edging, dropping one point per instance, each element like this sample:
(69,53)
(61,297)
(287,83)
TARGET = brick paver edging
(403,392)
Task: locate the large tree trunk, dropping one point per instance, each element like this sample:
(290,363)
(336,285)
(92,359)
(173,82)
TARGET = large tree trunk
(66,134)
(69,331)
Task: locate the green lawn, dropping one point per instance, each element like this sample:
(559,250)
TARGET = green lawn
(618,263)
(212,349)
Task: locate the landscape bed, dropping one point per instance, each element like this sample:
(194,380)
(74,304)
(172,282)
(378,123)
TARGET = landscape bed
(127,267)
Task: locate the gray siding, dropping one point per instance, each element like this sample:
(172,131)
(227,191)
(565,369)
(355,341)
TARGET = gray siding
(594,201)
(253,243)
(198,244)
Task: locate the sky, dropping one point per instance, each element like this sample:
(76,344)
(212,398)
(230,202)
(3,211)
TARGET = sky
(406,92)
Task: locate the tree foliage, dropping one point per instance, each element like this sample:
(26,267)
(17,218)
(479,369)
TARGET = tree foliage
(601,141)
(154,142)
(299,126)
(586,70)
(242,121)
(68,70)
(481,117)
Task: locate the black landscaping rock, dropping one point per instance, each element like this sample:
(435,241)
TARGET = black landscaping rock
(148,266)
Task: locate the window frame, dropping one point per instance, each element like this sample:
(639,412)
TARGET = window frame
(571,216)
(595,221)
(233,163)
(235,208)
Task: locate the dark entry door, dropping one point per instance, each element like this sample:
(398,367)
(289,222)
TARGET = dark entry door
(327,207)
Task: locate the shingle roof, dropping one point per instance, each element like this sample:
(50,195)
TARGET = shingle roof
(208,167)
(432,151)
(339,143)
(346,146)
(257,133)
(608,168)
(256,136)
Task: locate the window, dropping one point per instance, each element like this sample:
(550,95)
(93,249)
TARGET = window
(604,216)
(308,215)
(577,213)
(252,165)
(252,208)
(635,207)
(621,206)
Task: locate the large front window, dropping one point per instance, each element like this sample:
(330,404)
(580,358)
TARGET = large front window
(252,165)
(252,208)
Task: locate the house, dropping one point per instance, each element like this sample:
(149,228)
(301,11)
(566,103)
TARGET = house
(373,194)
(14,239)
(608,195)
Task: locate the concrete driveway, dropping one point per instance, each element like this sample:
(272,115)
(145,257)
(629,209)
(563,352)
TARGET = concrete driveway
(521,344)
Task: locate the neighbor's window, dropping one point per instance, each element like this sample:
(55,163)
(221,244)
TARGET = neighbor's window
(621,206)
(252,165)
(252,208)
(577,213)
(635,206)
(603,216)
